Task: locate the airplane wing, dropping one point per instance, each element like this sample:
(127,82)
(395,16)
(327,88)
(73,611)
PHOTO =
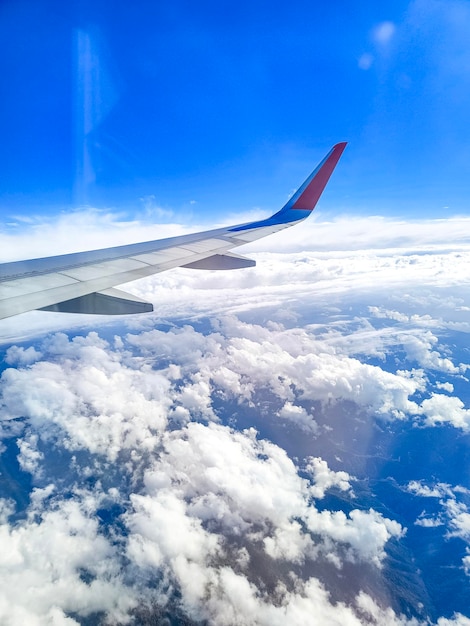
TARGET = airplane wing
(83,282)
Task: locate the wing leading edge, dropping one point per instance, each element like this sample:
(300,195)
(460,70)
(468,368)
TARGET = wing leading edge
(83,282)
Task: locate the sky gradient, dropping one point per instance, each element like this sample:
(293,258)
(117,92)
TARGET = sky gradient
(199,109)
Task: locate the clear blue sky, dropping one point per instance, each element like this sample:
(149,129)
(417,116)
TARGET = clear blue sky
(205,107)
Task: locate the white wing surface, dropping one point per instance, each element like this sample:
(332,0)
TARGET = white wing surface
(83,282)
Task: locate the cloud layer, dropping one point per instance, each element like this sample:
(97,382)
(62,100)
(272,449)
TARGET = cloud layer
(212,460)
(223,516)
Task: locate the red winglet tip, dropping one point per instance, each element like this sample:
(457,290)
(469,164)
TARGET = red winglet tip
(311,194)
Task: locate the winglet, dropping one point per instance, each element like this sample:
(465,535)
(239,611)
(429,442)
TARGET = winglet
(308,194)
(306,197)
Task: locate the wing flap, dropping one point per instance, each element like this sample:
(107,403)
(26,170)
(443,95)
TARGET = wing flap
(221,262)
(108,302)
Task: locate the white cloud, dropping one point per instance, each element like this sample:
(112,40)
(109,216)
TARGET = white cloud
(7,508)
(375,614)
(429,522)
(439,490)
(440,409)
(325,478)
(419,348)
(98,401)
(466,562)
(42,565)
(365,531)
(383,33)
(29,457)
(213,478)
(453,512)
(212,496)
(459,519)
(370,233)
(449,387)
(396,254)
(457,620)
(17,355)
(299,416)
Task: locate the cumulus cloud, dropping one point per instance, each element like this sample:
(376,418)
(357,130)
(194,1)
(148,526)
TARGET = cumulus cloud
(299,416)
(57,563)
(96,401)
(440,409)
(305,368)
(218,499)
(420,349)
(466,562)
(18,355)
(29,457)
(459,519)
(438,490)
(453,513)
(325,478)
(216,506)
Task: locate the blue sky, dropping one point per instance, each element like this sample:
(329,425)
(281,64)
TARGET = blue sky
(209,107)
